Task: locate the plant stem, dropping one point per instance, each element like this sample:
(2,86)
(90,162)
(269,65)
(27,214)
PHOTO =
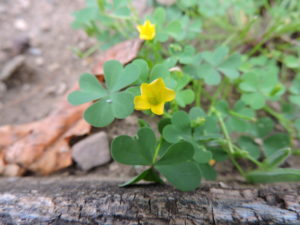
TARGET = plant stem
(198,90)
(257,163)
(230,149)
(216,95)
(284,122)
(157,150)
(235,163)
(225,131)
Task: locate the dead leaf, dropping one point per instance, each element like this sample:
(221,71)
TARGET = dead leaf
(124,52)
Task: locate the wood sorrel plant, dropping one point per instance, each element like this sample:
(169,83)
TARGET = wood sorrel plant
(213,105)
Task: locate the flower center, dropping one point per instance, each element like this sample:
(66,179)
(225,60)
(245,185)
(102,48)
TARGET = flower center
(153,100)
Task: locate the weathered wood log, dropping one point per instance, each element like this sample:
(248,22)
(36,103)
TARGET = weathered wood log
(92,200)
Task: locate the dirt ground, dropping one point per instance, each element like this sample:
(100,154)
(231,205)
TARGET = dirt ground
(40,31)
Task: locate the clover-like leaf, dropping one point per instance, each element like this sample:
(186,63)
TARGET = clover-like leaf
(274,175)
(185,97)
(111,103)
(255,100)
(90,89)
(159,70)
(118,105)
(147,175)
(144,68)
(277,158)
(185,176)
(177,153)
(180,129)
(208,172)
(247,144)
(261,85)
(275,143)
(174,29)
(134,151)
(210,75)
(264,126)
(117,78)
(159,16)
(217,62)
(201,155)
(196,113)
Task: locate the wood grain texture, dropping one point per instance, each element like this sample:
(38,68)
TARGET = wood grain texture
(92,200)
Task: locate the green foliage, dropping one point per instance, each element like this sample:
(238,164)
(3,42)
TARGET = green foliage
(111,102)
(235,71)
(259,86)
(176,164)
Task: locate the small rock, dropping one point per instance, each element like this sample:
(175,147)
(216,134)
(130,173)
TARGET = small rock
(53,67)
(39,61)
(26,87)
(3,88)
(35,51)
(10,67)
(13,170)
(3,9)
(92,151)
(24,3)
(56,90)
(2,165)
(50,90)
(20,44)
(21,25)
(62,87)
(45,27)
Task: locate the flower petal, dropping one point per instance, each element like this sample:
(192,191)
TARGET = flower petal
(145,89)
(168,95)
(158,109)
(139,28)
(141,103)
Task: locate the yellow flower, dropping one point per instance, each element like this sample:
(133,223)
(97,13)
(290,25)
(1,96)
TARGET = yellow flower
(154,96)
(212,162)
(147,30)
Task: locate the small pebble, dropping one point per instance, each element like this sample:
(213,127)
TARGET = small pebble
(35,51)
(92,151)
(10,67)
(53,67)
(62,87)
(39,61)
(3,88)
(21,25)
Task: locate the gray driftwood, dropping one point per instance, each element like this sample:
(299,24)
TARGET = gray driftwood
(91,200)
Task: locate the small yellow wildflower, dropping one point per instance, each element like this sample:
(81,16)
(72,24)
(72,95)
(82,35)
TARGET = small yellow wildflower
(212,162)
(147,30)
(154,96)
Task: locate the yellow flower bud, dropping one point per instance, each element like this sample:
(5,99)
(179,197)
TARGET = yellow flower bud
(147,30)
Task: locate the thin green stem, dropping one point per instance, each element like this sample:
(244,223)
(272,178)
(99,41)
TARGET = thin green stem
(249,157)
(239,168)
(157,151)
(284,122)
(230,149)
(198,91)
(225,131)
(215,96)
